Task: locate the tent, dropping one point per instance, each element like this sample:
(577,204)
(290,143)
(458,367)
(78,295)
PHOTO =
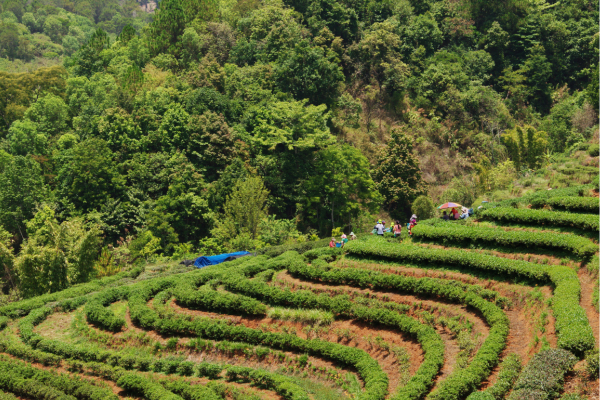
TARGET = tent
(213,260)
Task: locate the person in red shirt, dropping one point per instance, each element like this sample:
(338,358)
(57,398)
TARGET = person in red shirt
(332,243)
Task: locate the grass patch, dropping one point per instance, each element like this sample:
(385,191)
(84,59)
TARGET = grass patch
(312,317)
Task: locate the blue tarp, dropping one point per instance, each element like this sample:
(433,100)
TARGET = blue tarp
(213,260)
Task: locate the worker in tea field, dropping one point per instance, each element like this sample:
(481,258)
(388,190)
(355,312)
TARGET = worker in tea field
(332,243)
(379,228)
(413,222)
(397,229)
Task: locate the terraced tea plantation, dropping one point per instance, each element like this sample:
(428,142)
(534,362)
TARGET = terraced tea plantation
(501,305)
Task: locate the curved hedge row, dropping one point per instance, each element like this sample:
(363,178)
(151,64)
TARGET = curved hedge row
(23,307)
(572,326)
(97,313)
(509,372)
(587,222)
(430,341)
(463,381)
(145,388)
(57,350)
(455,234)
(70,385)
(191,297)
(568,203)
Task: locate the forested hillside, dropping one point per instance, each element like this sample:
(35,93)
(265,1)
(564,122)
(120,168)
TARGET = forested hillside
(214,125)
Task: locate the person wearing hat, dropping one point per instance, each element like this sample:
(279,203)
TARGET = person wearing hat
(344,239)
(332,243)
(413,222)
(352,236)
(379,227)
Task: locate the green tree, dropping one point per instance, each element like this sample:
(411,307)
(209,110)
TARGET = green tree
(245,207)
(50,115)
(211,141)
(88,175)
(338,188)
(19,91)
(56,256)
(24,138)
(55,27)
(538,69)
(23,189)
(275,232)
(88,60)
(397,174)
(525,146)
(166,28)
(290,126)
(309,73)
(7,259)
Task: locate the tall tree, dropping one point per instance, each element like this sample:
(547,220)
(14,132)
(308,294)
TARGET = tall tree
(22,190)
(397,175)
(245,207)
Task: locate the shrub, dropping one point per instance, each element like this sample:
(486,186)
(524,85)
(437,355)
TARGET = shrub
(542,378)
(594,150)
(423,207)
(592,359)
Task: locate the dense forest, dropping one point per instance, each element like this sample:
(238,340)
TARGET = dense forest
(213,125)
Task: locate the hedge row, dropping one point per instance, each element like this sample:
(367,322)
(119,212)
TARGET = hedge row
(52,348)
(587,222)
(21,308)
(375,379)
(509,372)
(568,203)
(30,388)
(543,376)
(3,322)
(463,381)
(7,396)
(282,385)
(456,234)
(26,353)
(572,327)
(145,387)
(188,391)
(140,293)
(190,297)
(430,341)
(97,313)
(68,384)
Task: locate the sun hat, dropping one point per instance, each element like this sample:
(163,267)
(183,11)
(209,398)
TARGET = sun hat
(332,238)
(351,233)
(344,236)
(414,216)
